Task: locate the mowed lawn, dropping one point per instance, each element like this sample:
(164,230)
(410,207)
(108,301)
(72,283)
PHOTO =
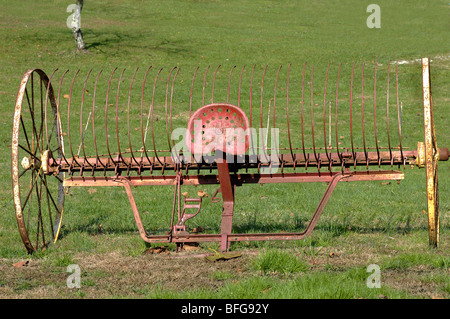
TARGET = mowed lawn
(365,223)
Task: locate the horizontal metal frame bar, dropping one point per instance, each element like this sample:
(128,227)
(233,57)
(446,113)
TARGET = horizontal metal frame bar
(218,237)
(236,179)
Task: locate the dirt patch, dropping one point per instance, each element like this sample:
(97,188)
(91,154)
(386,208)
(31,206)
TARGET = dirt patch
(414,281)
(164,270)
(113,274)
(30,281)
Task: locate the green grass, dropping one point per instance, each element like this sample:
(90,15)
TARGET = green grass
(280,262)
(405,261)
(349,284)
(369,221)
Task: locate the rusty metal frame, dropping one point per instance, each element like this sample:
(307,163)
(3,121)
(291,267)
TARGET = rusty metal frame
(228,182)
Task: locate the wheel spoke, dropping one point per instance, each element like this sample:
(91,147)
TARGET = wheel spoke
(26,201)
(32,92)
(24,171)
(51,197)
(25,132)
(40,215)
(33,155)
(32,119)
(31,108)
(49,209)
(40,221)
(56,149)
(58,178)
(30,191)
(54,123)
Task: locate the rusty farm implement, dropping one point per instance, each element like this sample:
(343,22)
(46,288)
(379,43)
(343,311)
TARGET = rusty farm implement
(228,128)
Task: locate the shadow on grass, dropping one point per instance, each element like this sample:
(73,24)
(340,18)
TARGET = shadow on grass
(107,40)
(299,224)
(93,228)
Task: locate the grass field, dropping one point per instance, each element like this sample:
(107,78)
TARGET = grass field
(364,223)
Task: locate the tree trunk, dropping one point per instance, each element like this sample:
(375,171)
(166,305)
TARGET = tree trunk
(76,26)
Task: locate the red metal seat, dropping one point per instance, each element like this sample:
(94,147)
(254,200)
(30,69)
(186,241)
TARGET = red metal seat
(220,127)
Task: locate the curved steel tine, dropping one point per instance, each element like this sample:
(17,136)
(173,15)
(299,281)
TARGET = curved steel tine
(229,83)
(31,108)
(250,108)
(204,85)
(261,114)
(336,115)
(251,95)
(68,118)
(351,114)
(324,114)
(287,116)
(312,115)
(93,120)
(167,115)
(387,114)
(117,119)
(33,150)
(274,116)
(40,133)
(214,83)
(375,111)
(192,91)
(171,126)
(144,149)
(398,114)
(83,133)
(240,82)
(171,103)
(239,105)
(305,157)
(128,118)
(45,107)
(106,115)
(58,116)
(362,115)
(151,115)
(41,129)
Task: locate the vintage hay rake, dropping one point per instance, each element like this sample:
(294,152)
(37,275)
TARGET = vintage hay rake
(126,134)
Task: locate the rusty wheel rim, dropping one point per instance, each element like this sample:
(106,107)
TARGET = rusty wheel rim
(431,165)
(431,157)
(38,197)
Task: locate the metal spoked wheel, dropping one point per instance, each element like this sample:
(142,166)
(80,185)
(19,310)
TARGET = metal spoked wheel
(38,197)
(431,156)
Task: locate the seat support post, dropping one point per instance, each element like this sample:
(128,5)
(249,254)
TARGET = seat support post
(227,190)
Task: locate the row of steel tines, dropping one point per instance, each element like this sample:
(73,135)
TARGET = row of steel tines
(148,157)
